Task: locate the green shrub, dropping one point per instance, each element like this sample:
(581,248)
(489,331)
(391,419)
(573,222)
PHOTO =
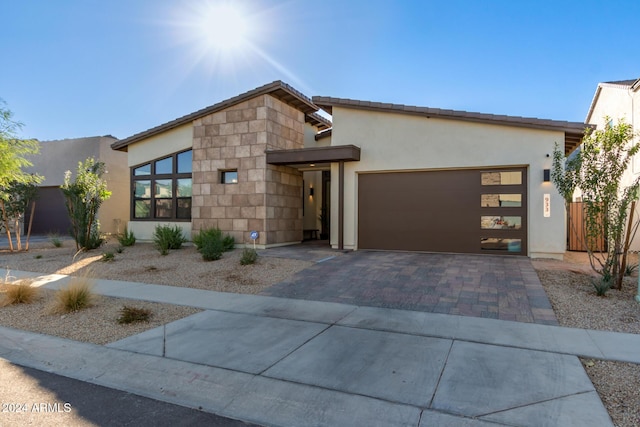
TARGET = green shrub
(55,240)
(206,234)
(630,269)
(249,256)
(127,238)
(130,314)
(108,256)
(212,249)
(120,249)
(602,285)
(76,296)
(167,237)
(94,240)
(20,292)
(211,243)
(83,198)
(229,242)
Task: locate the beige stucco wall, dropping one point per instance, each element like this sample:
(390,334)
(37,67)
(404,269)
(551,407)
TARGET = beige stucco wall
(169,142)
(114,213)
(312,204)
(391,142)
(313,178)
(618,102)
(143,230)
(57,157)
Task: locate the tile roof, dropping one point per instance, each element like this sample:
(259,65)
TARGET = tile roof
(277,89)
(574,131)
(622,82)
(317,120)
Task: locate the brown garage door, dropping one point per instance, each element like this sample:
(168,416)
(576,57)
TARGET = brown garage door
(50,215)
(464,211)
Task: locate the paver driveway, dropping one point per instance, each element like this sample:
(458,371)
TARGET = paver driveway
(499,287)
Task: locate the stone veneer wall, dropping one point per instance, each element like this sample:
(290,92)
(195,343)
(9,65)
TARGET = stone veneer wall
(267,198)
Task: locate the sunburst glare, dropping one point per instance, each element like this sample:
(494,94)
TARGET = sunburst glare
(227,40)
(223,27)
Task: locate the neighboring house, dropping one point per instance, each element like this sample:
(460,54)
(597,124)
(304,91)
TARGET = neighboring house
(57,157)
(381,176)
(618,100)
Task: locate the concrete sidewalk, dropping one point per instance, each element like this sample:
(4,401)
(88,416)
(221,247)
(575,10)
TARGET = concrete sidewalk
(276,361)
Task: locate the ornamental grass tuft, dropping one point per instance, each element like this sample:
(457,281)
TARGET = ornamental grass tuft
(20,292)
(74,297)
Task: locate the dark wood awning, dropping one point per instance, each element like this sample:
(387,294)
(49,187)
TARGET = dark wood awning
(341,153)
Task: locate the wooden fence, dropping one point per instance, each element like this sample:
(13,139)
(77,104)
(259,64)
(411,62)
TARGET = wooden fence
(576,230)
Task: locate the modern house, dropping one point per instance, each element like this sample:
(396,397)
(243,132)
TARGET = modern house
(57,157)
(377,176)
(619,100)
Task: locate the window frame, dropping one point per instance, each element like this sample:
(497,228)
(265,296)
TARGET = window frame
(223,176)
(174,176)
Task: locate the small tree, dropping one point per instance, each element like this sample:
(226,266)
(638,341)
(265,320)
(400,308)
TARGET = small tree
(13,210)
(597,171)
(83,198)
(13,180)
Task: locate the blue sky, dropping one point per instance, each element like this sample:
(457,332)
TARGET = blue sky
(73,68)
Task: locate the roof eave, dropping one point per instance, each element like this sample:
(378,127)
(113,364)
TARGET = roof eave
(573,131)
(277,89)
(592,107)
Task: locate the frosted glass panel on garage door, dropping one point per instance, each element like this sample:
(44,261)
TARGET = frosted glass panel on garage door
(501,178)
(501,200)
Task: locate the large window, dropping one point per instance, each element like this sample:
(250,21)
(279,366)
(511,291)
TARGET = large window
(162,188)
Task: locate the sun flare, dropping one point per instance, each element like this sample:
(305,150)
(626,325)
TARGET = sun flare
(223,27)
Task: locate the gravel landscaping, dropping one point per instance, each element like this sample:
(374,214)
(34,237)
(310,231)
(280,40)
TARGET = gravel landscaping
(573,297)
(567,284)
(139,263)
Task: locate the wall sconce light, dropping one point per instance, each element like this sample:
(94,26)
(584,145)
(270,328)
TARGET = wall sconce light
(546,175)
(311,191)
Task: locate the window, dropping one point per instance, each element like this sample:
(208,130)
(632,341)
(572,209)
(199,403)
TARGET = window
(229,177)
(162,188)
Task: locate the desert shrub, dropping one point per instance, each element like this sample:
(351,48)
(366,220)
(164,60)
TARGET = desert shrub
(207,234)
(95,239)
(211,249)
(76,296)
(167,237)
(229,242)
(20,292)
(108,256)
(55,240)
(602,285)
(83,198)
(127,238)
(249,256)
(211,243)
(130,314)
(630,269)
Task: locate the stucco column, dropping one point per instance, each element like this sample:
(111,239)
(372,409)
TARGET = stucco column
(341,205)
